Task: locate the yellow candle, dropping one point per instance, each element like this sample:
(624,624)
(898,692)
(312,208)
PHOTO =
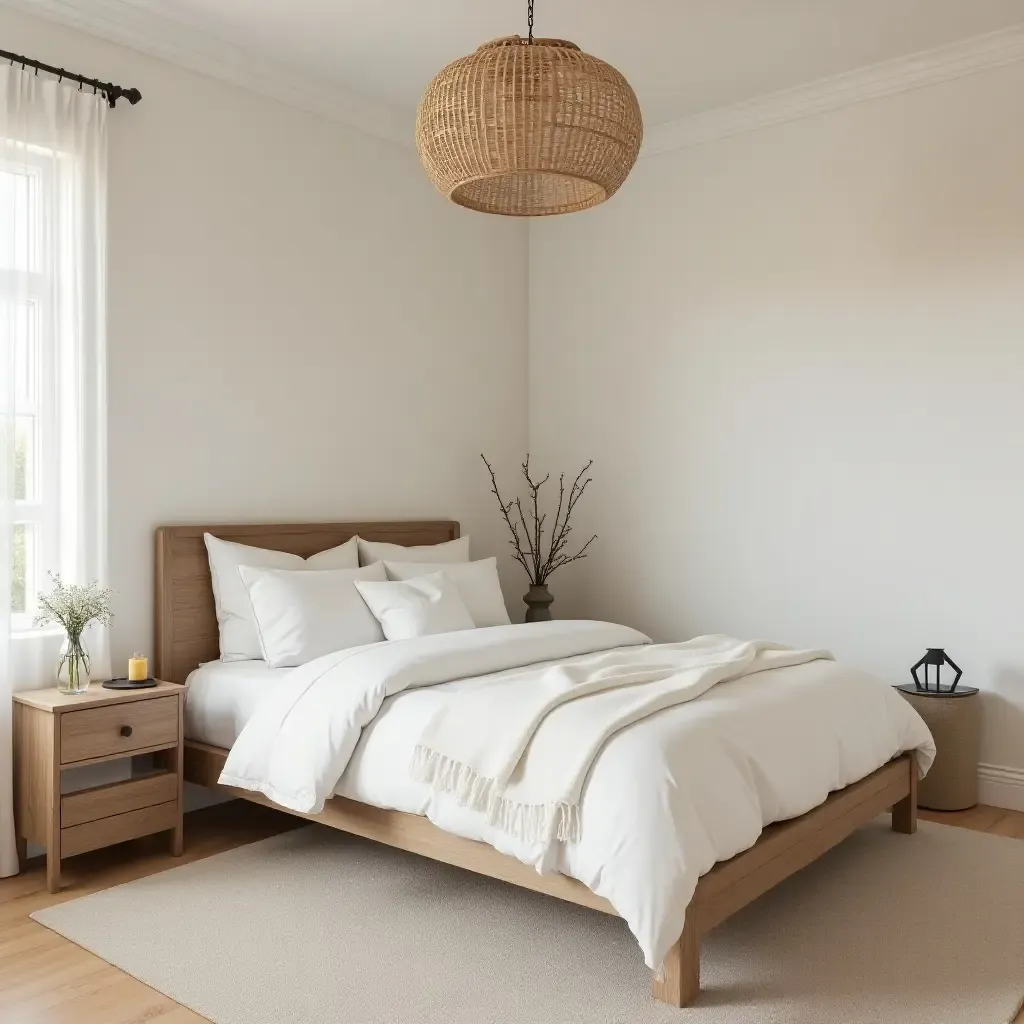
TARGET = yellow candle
(138,668)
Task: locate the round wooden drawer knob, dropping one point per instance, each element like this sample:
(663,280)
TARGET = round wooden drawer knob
(126,730)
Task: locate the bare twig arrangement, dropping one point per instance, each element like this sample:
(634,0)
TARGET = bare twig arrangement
(528,526)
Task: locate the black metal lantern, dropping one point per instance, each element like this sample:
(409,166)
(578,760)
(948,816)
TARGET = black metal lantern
(937,657)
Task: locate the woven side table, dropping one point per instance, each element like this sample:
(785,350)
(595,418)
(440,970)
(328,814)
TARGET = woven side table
(955,723)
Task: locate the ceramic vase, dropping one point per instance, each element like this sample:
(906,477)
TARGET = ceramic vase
(538,603)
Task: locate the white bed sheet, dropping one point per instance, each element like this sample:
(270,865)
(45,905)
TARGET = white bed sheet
(673,794)
(676,793)
(222,696)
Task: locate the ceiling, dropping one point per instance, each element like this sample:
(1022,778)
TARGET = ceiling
(682,56)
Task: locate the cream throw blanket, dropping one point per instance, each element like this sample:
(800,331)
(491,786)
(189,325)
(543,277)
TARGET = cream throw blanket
(520,749)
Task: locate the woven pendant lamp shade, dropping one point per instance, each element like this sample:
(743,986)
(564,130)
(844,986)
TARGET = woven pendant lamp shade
(528,129)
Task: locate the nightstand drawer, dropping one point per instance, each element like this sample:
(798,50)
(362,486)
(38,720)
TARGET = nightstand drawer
(118,828)
(117,798)
(118,729)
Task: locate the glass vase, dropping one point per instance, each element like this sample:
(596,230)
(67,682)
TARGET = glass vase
(74,666)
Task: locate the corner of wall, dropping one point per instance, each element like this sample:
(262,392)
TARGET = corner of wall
(528,340)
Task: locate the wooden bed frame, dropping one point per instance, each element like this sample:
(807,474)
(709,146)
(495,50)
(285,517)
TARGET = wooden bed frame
(186,634)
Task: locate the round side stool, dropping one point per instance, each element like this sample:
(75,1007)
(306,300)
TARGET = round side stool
(955,722)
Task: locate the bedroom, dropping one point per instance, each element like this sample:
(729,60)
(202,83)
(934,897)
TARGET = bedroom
(790,343)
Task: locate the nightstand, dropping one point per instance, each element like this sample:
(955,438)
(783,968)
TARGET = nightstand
(954,719)
(55,731)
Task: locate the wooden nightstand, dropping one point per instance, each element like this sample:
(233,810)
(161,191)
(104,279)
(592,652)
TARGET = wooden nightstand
(54,731)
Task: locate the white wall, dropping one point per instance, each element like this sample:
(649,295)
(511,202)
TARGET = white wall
(797,357)
(299,327)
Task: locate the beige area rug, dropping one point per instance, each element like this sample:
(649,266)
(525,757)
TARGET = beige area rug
(316,927)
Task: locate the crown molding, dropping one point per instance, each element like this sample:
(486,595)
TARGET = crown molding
(943,64)
(151,33)
(145,30)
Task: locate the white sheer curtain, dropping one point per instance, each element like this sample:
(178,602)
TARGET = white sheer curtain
(53,479)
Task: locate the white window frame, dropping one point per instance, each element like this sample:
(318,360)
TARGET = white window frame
(35,284)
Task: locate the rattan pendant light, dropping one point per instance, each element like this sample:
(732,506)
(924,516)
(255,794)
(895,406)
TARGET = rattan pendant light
(528,128)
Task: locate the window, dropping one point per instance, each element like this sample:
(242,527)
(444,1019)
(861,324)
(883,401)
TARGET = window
(53,412)
(26,289)
(52,340)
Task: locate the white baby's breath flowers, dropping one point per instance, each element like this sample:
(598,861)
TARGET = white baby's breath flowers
(73,606)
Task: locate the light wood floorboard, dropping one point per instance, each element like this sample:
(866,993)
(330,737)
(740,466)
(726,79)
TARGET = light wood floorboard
(44,979)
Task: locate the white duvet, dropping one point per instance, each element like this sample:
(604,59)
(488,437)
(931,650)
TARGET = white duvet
(665,799)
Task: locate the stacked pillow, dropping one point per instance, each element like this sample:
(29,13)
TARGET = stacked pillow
(476,583)
(288,610)
(371,551)
(303,615)
(417,607)
(239,639)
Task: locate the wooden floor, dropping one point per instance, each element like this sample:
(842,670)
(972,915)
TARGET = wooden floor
(45,979)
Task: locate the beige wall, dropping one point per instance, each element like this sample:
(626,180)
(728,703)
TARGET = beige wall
(299,327)
(797,357)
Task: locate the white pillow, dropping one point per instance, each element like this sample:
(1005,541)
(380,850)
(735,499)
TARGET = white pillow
(302,615)
(448,551)
(419,607)
(476,582)
(239,640)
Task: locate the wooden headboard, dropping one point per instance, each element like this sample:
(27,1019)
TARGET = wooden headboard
(186,623)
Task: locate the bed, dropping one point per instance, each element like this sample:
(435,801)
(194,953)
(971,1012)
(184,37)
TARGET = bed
(223,697)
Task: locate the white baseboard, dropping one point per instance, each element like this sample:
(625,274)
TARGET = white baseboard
(1001,787)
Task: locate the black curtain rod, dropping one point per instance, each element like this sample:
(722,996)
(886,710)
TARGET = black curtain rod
(112,92)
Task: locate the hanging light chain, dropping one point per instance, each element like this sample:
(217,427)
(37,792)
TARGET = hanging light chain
(529,20)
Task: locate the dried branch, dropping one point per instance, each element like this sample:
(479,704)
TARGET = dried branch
(558,511)
(579,554)
(560,536)
(517,550)
(534,555)
(538,520)
(528,548)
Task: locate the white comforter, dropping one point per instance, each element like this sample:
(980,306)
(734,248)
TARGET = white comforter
(666,798)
